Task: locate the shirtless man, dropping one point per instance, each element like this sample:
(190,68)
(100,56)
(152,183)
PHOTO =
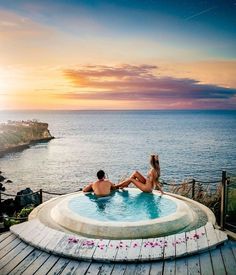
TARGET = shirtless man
(101,187)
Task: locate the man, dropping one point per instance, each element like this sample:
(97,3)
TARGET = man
(101,187)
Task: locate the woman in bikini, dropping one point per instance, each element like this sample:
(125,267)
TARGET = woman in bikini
(145,184)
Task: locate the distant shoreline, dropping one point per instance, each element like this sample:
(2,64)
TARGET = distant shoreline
(16,136)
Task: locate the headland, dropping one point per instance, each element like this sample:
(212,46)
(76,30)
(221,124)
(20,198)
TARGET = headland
(19,135)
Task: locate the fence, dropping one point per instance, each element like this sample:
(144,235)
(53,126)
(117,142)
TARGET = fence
(228,202)
(192,189)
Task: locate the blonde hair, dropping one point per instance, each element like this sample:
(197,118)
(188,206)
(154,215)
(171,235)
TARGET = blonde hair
(154,162)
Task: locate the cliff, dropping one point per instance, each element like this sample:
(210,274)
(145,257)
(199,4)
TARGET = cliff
(17,135)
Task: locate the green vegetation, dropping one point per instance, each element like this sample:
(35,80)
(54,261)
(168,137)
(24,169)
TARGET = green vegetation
(19,217)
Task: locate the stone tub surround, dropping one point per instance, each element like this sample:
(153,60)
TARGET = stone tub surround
(169,224)
(43,213)
(78,247)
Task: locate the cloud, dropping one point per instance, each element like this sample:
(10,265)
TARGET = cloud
(139,83)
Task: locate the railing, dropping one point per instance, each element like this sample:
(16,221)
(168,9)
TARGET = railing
(226,198)
(228,202)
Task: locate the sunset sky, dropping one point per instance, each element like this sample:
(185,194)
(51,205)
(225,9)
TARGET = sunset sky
(126,54)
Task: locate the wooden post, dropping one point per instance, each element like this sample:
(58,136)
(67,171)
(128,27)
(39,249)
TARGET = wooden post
(193,188)
(41,195)
(223,196)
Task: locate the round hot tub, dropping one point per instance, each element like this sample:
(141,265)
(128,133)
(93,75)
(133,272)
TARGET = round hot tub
(124,214)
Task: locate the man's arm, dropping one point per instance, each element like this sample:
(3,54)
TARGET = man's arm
(113,186)
(88,188)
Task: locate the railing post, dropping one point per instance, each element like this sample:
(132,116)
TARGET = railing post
(193,188)
(223,197)
(41,195)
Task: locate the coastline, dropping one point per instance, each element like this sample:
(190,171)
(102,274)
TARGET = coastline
(28,133)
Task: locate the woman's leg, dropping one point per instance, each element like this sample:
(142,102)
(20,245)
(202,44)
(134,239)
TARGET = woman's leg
(124,183)
(137,176)
(143,187)
(159,188)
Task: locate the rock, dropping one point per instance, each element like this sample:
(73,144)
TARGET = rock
(2,188)
(2,178)
(26,197)
(8,181)
(8,207)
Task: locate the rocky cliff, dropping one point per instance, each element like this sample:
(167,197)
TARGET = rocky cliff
(16,135)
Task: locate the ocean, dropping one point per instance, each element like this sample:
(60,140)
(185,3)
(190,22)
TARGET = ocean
(190,144)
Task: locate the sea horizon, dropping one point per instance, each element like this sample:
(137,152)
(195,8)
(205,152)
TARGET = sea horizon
(191,144)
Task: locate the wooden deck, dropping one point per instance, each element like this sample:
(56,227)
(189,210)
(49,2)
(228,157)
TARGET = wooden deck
(77,247)
(17,257)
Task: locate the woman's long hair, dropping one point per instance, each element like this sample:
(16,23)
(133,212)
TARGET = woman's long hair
(154,161)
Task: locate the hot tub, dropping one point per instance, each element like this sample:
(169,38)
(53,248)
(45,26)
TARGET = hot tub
(125,214)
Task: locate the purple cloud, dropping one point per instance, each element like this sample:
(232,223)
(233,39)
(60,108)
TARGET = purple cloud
(139,83)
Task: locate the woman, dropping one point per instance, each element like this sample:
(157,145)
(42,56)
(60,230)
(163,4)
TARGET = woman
(145,184)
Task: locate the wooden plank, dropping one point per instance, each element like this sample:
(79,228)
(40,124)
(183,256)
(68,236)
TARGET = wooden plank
(17,259)
(8,257)
(191,242)
(9,247)
(40,236)
(233,247)
(87,248)
(106,269)
(142,269)
(44,237)
(169,250)
(181,266)
(111,252)
(229,259)
(205,264)
(180,244)
(47,265)
(94,269)
(101,249)
(36,264)
(157,251)
(217,262)
(75,249)
(193,265)
(18,228)
(119,269)
(147,245)
(7,241)
(3,236)
(130,269)
(201,238)
(52,243)
(211,235)
(59,266)
(134,250)
(64,245)
(221,236)
(169,267)
(34,233)
(122,253)
(82,268)
(71,267)
(156,268)
(24,230)
(20,268)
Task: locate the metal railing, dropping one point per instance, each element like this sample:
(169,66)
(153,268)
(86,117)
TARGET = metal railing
(225,181)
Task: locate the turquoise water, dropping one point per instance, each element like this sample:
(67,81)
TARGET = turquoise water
(190,144)
(122,206)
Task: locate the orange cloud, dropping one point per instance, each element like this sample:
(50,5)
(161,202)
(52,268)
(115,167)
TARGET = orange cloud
(139,83)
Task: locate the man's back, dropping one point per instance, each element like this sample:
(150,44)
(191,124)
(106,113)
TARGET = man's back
(102,187)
